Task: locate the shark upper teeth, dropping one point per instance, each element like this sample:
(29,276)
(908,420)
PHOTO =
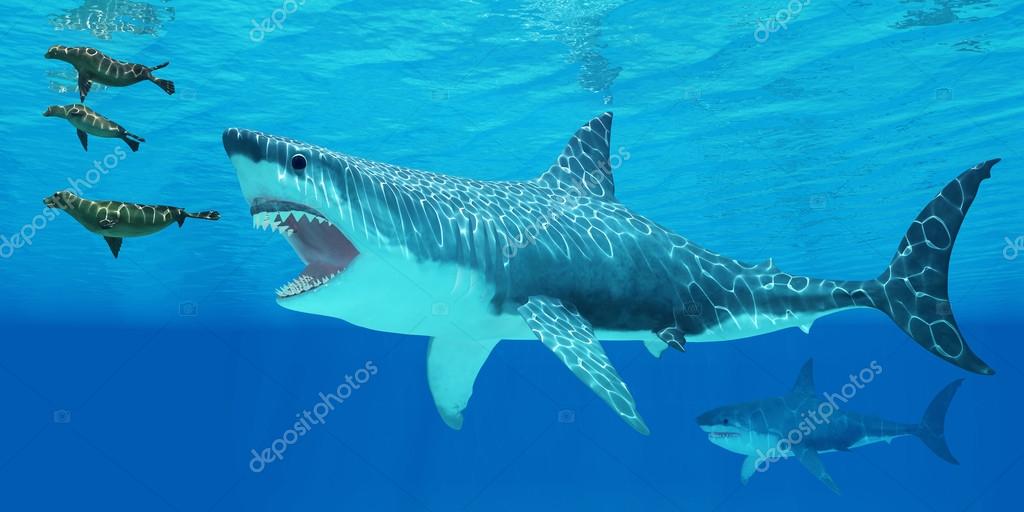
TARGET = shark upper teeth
(278,220)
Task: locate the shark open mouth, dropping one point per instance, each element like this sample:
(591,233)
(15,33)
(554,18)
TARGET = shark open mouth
(320,244)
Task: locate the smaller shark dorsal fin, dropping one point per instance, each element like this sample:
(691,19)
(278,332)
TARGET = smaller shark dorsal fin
(584,164)
(804,384)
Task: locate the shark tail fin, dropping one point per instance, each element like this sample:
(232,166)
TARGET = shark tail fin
(933,424)
(913,290)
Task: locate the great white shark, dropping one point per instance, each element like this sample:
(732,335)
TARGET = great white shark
(802,425)
(558,258)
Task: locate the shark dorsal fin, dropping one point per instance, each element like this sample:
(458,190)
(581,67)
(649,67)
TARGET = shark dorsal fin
(584,163)
(804,384)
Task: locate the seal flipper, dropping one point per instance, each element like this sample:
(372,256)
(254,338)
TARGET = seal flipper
(84,84)
(563,330)
(84,139)
(114,243)
(452,367)
(133,144)
(810,459)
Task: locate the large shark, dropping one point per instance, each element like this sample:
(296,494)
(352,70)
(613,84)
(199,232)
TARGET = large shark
(557,257)
(803,425)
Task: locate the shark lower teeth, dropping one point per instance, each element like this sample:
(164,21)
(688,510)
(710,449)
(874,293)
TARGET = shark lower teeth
(303,284)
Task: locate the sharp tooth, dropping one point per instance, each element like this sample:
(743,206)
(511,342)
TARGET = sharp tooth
(254,222)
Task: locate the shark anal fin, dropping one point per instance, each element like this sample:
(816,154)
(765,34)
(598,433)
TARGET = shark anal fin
(452,367)
(114,243)
(812,461)
(748,468)
(563,330)
(673,336)
(84,139)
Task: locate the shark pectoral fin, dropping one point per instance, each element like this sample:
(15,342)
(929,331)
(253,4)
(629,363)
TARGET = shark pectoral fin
(673,336)
(114,243)
(810,459)
(563,330)
(748,468)
(452,367)
(84,139)
(655,346)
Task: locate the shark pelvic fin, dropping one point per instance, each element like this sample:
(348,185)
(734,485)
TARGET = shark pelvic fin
(810,459)
(655,346)
(452,367)
(748,468)
(584,167)
(563,330)
(804,384)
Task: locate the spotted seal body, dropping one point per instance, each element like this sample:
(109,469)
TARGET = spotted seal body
(89,122)
(114,220)
(94,66)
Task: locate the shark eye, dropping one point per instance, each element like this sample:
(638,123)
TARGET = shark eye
(725,421)
(298,162)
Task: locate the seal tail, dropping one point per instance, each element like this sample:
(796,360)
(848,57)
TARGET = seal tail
(913,290)
(132,143)
(207,215)
(160,66)
(933,425)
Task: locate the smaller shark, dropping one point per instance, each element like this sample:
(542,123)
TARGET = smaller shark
(803,425)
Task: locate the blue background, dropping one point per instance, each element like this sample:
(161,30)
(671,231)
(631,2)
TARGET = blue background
(143,383)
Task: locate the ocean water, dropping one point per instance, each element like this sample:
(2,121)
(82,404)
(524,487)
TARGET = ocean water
(810,132)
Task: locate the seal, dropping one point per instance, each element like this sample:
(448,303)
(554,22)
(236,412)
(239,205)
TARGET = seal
(115,220)
(94,66)
(89,122)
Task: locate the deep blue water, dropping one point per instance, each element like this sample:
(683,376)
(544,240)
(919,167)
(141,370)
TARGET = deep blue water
(143,383)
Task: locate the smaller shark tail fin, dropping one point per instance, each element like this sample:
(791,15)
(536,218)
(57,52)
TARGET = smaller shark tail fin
(933,425)
(913,290)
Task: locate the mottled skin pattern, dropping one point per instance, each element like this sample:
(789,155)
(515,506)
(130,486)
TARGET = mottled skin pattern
(88,121)
(619,269)
(561,252)
(116,219)
(824,424)
(94,66)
